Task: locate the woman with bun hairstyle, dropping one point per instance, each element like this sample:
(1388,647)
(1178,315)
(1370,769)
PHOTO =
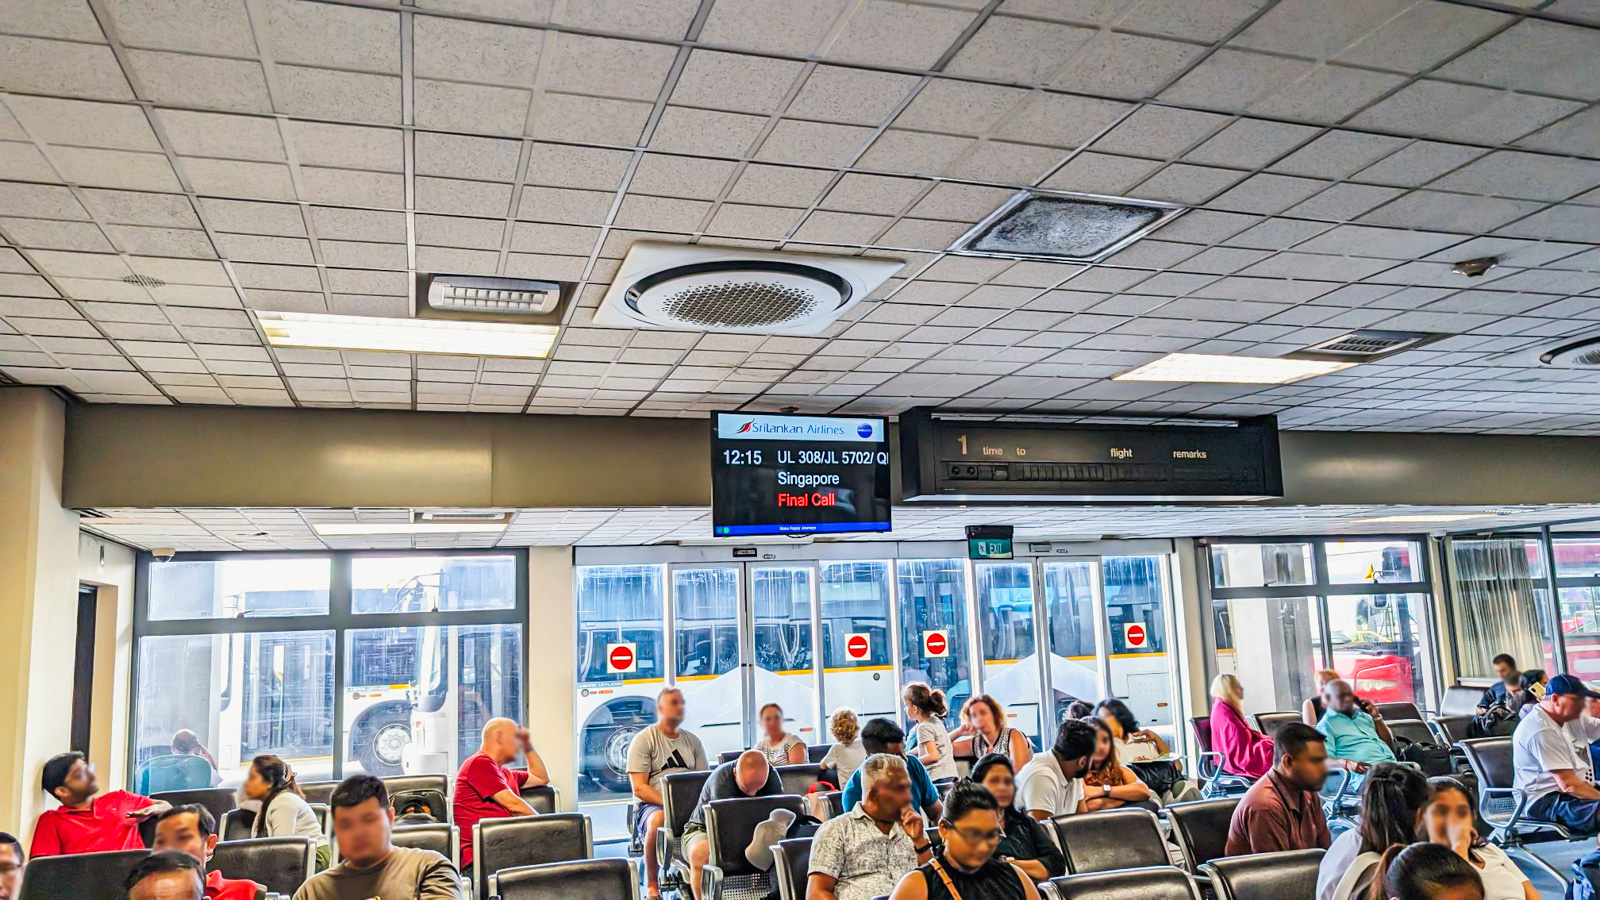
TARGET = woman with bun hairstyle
(1426,872)
(1391,812)
(926,709)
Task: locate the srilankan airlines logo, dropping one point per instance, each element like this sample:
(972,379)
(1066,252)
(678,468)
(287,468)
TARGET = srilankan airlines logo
(744,428)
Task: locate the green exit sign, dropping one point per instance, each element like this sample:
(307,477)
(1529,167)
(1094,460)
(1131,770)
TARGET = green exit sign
(989,548)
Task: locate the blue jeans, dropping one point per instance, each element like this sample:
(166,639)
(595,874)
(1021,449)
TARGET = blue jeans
(1573,813)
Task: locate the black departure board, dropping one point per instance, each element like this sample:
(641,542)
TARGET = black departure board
(951,458)
(783,474)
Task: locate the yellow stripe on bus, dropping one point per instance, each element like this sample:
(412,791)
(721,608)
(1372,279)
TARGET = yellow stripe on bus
(859,669)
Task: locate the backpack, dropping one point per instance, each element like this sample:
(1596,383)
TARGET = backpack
(1497,721)
(420,807)
(1432,759)
(1585,883)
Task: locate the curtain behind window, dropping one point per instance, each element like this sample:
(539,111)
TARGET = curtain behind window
(1495,609)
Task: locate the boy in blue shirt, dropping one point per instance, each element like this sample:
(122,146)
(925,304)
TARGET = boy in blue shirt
(883,736)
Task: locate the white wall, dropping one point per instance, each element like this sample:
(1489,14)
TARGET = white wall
(110,567)
(552,642)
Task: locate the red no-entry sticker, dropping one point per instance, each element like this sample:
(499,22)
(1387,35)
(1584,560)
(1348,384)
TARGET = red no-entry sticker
(935,644)
(858,645)
(620,659)
(1134,634)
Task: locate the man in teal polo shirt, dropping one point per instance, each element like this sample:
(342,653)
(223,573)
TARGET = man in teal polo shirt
(1356,733)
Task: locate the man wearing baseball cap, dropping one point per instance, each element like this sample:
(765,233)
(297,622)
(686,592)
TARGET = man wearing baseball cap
(1545,753)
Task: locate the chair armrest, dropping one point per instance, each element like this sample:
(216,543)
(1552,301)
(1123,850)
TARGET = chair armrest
(711,879)
(1516,811)
(1210,765)
(665,847)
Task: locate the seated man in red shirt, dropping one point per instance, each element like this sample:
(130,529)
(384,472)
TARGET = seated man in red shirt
(85,823)
(486,789)
(192,829)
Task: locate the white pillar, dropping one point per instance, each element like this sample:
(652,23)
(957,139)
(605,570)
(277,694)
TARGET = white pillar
(552,642)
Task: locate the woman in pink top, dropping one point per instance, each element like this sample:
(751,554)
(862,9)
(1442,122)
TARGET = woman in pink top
(1245,751)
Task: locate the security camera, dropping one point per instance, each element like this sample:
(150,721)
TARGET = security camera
(163,554)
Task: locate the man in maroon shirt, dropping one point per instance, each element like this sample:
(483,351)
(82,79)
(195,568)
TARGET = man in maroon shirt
(1283,809)
(192,829)
(85,823)
(486,789)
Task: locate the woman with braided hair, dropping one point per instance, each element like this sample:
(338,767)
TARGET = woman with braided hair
(1391,810)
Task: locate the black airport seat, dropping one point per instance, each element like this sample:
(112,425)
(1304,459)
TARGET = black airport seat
(1414,730)
(433,789)
(1266,876)
(1460,700)
(679,793)
(1451,730)
(1214,777)
(235,824)
(728,756)
(730,824)
(1201,829)
(588,879)
(545,798)
(527,841)
(1499,803)
(1149,883)
(1114,839)
(835,803)
(440,837)
(815,752)
(318,791)
(1391,711)
(1268,723)
(216,800)
(798,779)
(791,864)
(279,864)
(81,876)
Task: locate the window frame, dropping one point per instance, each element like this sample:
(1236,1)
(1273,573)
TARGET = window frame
(340,619)
(1320,589)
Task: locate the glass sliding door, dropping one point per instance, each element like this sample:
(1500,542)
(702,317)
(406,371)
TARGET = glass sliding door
(706,635)
(1010,652)
(857,651)
(784,670)
(933,628)
(1071,593)
(1136,595)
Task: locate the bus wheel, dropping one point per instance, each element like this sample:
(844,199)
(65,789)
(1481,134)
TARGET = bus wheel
(381,754)
(605,755)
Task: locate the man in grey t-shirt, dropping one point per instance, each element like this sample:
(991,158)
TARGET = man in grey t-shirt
(373,868)
(657,751)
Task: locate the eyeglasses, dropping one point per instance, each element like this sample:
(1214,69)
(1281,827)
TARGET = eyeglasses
(974,836)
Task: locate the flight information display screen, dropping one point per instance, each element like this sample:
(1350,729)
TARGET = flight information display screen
(773,474)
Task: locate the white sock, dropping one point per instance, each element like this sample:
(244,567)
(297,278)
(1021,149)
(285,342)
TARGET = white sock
(767,833)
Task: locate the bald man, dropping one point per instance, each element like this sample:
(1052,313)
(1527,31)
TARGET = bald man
(747,776)
(486,789)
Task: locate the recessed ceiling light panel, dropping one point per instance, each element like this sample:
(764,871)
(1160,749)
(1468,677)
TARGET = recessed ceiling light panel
(1222,369)
(1427,518)
(1063,226)
(330,332)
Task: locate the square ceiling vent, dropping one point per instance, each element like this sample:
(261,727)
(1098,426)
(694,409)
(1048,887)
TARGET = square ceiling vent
(1064,226)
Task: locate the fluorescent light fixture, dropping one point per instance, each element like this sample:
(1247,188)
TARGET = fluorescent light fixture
(456,338)
(1427,518)
(362,529)
(1222,369)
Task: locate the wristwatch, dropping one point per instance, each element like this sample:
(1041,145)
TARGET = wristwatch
(1105,790)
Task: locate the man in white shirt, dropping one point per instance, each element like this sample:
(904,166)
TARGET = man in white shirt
(1051,784)
(863,853)
(1549,767)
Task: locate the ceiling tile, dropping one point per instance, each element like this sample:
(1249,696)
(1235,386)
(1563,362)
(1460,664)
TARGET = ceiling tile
(1535,55)
(348,96)
(685,130)
(913,152)
(320,34)
(1506,173)
(736,82)
(780,185)
(1021,51)
(771,26)
(1428,108)
(813,143)
(34,65)
(200,81)
(630,70)
(461,50)
(483,109)
(1337,154)
(959,107)
(892,33)
(347,146)
(1125,65)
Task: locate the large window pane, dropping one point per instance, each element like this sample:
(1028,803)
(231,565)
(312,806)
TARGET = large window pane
(416,699)
(933,607)
(400,584)
(1377,645)
(1141,673)
(242,695)
(1261,565)
(854,600)
(1069,592)
(1373,562)
(1497,600)
(1011,662)
(1577,557)
(705,605)
(1580,623)
(1273,645)
(233,588)
(784,673)
(616,605)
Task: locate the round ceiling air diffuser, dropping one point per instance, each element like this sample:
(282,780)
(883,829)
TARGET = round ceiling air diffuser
(1584,354)
(694,288)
